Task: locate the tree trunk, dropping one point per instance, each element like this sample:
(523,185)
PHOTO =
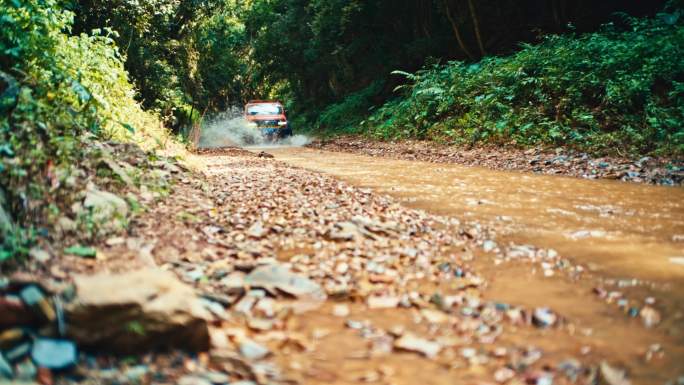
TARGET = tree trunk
(457,33)
(476,25)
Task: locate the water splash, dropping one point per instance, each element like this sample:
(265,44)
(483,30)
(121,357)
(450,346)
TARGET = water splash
(230,128)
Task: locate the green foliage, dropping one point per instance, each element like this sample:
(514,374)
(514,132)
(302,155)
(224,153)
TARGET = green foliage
(185,57)
(81,251)
(58,92)
(614,90)
(345,117)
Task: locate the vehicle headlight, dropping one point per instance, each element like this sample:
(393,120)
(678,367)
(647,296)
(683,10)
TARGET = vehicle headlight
(252,125)
(282,123)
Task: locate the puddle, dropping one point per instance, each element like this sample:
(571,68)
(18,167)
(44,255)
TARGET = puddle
(617,230)
(623,229)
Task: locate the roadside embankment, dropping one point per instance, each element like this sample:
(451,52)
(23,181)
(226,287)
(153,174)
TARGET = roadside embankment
(559,161)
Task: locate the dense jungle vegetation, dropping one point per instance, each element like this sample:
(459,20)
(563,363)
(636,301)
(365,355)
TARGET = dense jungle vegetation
(598,74)
(602,76)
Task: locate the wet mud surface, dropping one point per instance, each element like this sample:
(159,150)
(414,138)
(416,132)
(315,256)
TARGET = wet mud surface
(560,161)
(626,238)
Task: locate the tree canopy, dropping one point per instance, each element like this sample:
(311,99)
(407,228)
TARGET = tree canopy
(186,56)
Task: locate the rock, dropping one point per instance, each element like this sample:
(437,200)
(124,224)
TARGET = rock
(65,225)
(45,377)
(193,380)
(6,370)
(136,373)
(18,352)
(277,276)
(649,316)
(12,337)
(503,374)
(488,246)
(39,254)
(36,300)
(26,371)
(217,377)
(115,241)
(233,283)
(106,207)
(257,230)
(136,311)
(543,317)
(468,353)
(677,260)
(219,339)
(118,170)
(252,350)
(382,302)
(572,369)
(434,316)
(345,231)
(612,376)
(13,312)
(54,354)
(340,310)
(412,343)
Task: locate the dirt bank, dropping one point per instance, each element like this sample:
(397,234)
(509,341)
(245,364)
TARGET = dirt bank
(660,171)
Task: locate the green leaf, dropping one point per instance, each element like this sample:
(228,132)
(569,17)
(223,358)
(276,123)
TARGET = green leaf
(6,150)
(128,127)
(136,327)
(83,94)
(81,251)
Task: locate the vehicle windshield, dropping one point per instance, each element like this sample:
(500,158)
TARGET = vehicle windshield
(264,109)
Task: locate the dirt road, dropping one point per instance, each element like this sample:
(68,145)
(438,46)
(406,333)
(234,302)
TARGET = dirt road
(627,238)
(341,269)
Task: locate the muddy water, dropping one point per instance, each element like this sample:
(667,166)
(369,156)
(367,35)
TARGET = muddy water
(616,230)
(621,228)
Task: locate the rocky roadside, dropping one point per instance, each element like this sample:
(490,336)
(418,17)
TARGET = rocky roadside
(255,272)
(649,170)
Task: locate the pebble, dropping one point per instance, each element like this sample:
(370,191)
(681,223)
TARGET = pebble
(193,380)
(136,373)
(543,317)
(6,370)
(340,310)
(217,377)
(39,254)
(650,316)
(382,302)
(53,353)
(613,376)
(252,350)
(503,374)
(489,246)
(413,343)
(26,371)
(468,353)
(434,316)
(677,260)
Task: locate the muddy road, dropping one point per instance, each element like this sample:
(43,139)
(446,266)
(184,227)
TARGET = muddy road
(626,239)
(331,268)
(620,228)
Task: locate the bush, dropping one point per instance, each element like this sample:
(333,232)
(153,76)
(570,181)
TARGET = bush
(345,117)
(57,94)
(617,90)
